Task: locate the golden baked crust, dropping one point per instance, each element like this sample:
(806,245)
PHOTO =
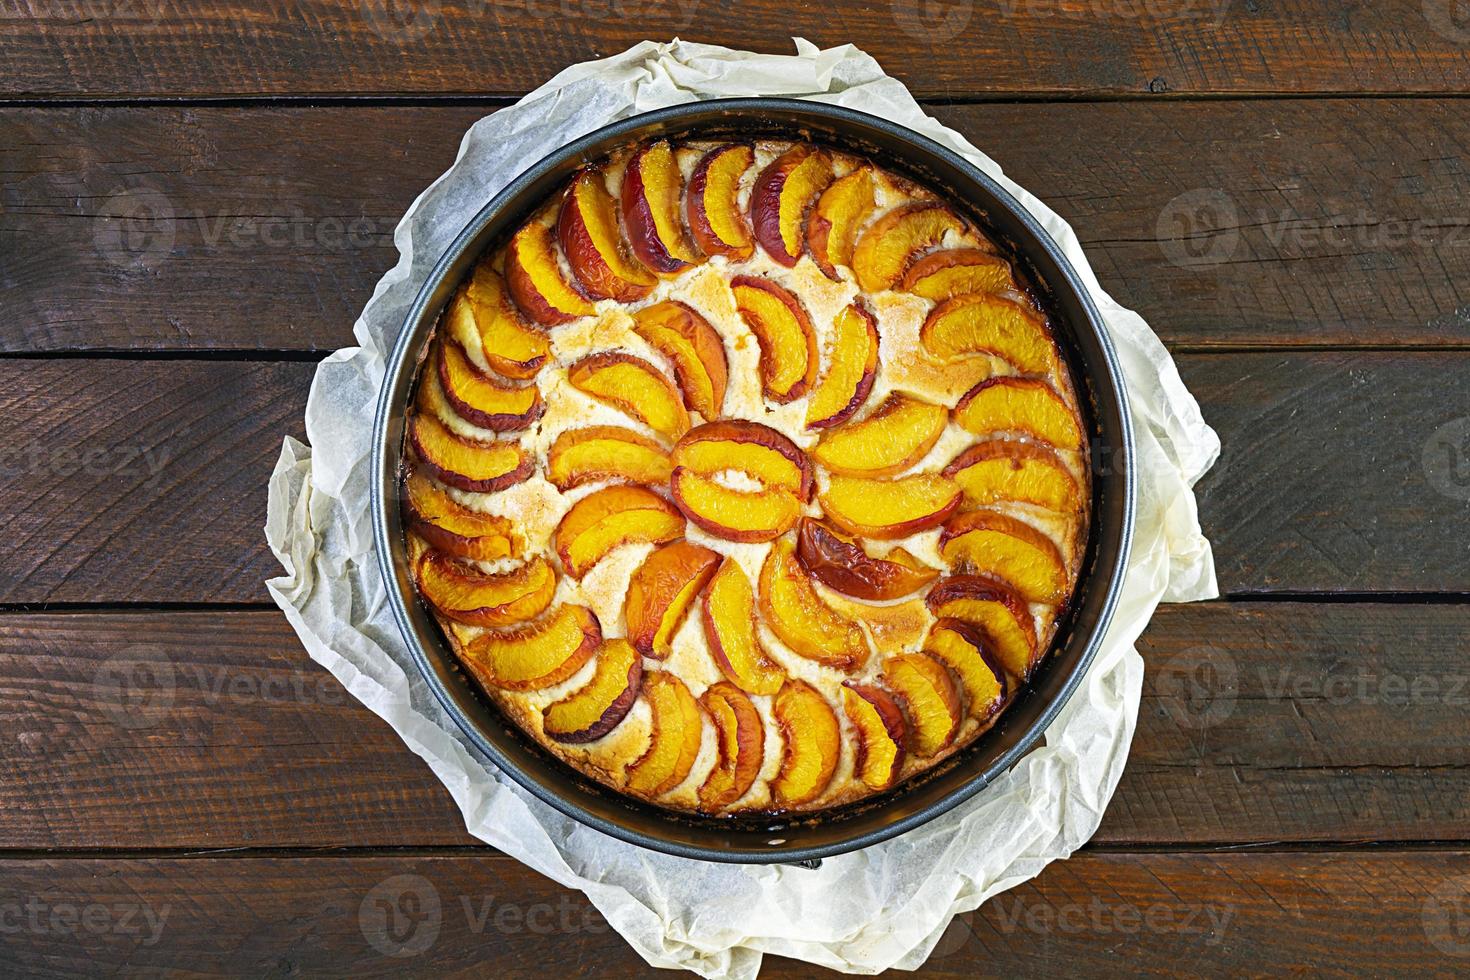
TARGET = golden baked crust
(746,477)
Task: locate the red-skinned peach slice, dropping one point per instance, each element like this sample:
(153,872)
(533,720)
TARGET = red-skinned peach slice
(985,324)
(476,599)
(881,734)
(805,623)
(745,516)
(929,696)
(661,591)
(1029,406)
(537,655)
(535,278)
(467,464)
(832,226)
(652,191)
(965,650)
(783,192)
(596,708)
(730,628)
(812,747)
(511,346)
(756,450)
(891,508)
(588,231)
(632,385)
(1000,613)
(1001,469)
(956,272)
(480,399)
(713,202)
(1006,548)
(673,745)
(788,362)
(609,518)
(606,453)
(740,736)
(851,368)
(695,350)
(844,566)
(453,528)
(889,245)
(896,435)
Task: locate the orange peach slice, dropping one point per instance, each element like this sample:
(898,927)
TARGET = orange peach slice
(510,345)
(605,453)
(661,591)
(985,324)
(652,191)
(844,566)
(783,191)
(468,596)
(832,226)
(881,734)
(929,695)
(1029,406)
(965,650)
(740,737)
(956,272)
(1001,615)
(536,281)
(453,528)
(481,400)
(895,436)
(888,246)
(729,626)
(805,623)
(756,450)
(673,746)
(467,464)
(1006,548)
(713,202)
(893,508)
(788,362)
(745,516)
(632,385)
(588,231)
(610,518)
(695,350)
(537,655)
(596,708)
(1000,469)
(851,369)
(813,743)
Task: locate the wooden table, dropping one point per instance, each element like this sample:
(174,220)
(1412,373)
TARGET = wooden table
(199,197)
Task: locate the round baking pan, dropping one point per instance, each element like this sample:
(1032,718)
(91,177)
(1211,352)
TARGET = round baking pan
(1084,343)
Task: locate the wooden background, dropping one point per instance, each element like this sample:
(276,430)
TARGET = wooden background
(197,198)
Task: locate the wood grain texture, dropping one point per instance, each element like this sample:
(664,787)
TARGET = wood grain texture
(130,48)
(1224,223)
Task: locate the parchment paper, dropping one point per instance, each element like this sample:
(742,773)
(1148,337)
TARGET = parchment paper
(882,907)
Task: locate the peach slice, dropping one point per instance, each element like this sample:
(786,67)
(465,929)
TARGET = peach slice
(536,281)
(511,346)
(930,697)
(843,565)
(652,191)
(779,200)
(1005,470)
(888,246)
(788,362)
(1000,613)
(881,734)
(467,464)
(851,369)
(746,516)
(695,350)
(893,508)
(609,518)
(740,737)
(805,623)
(605,453)
(632,385)
(832,226)
(537,655)
(661,591)
(588,231)
(673,746)
(756,450)
(595,709)
(453,528)
(713,202)
(895,436)
(468,596)
(965,650)
(813,743)
(1029,406)
(481,400)
(1006,548)
(985,324)
(734,642)
(955,272)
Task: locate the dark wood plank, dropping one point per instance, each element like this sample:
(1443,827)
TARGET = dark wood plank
(127,48)
(1224,223)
